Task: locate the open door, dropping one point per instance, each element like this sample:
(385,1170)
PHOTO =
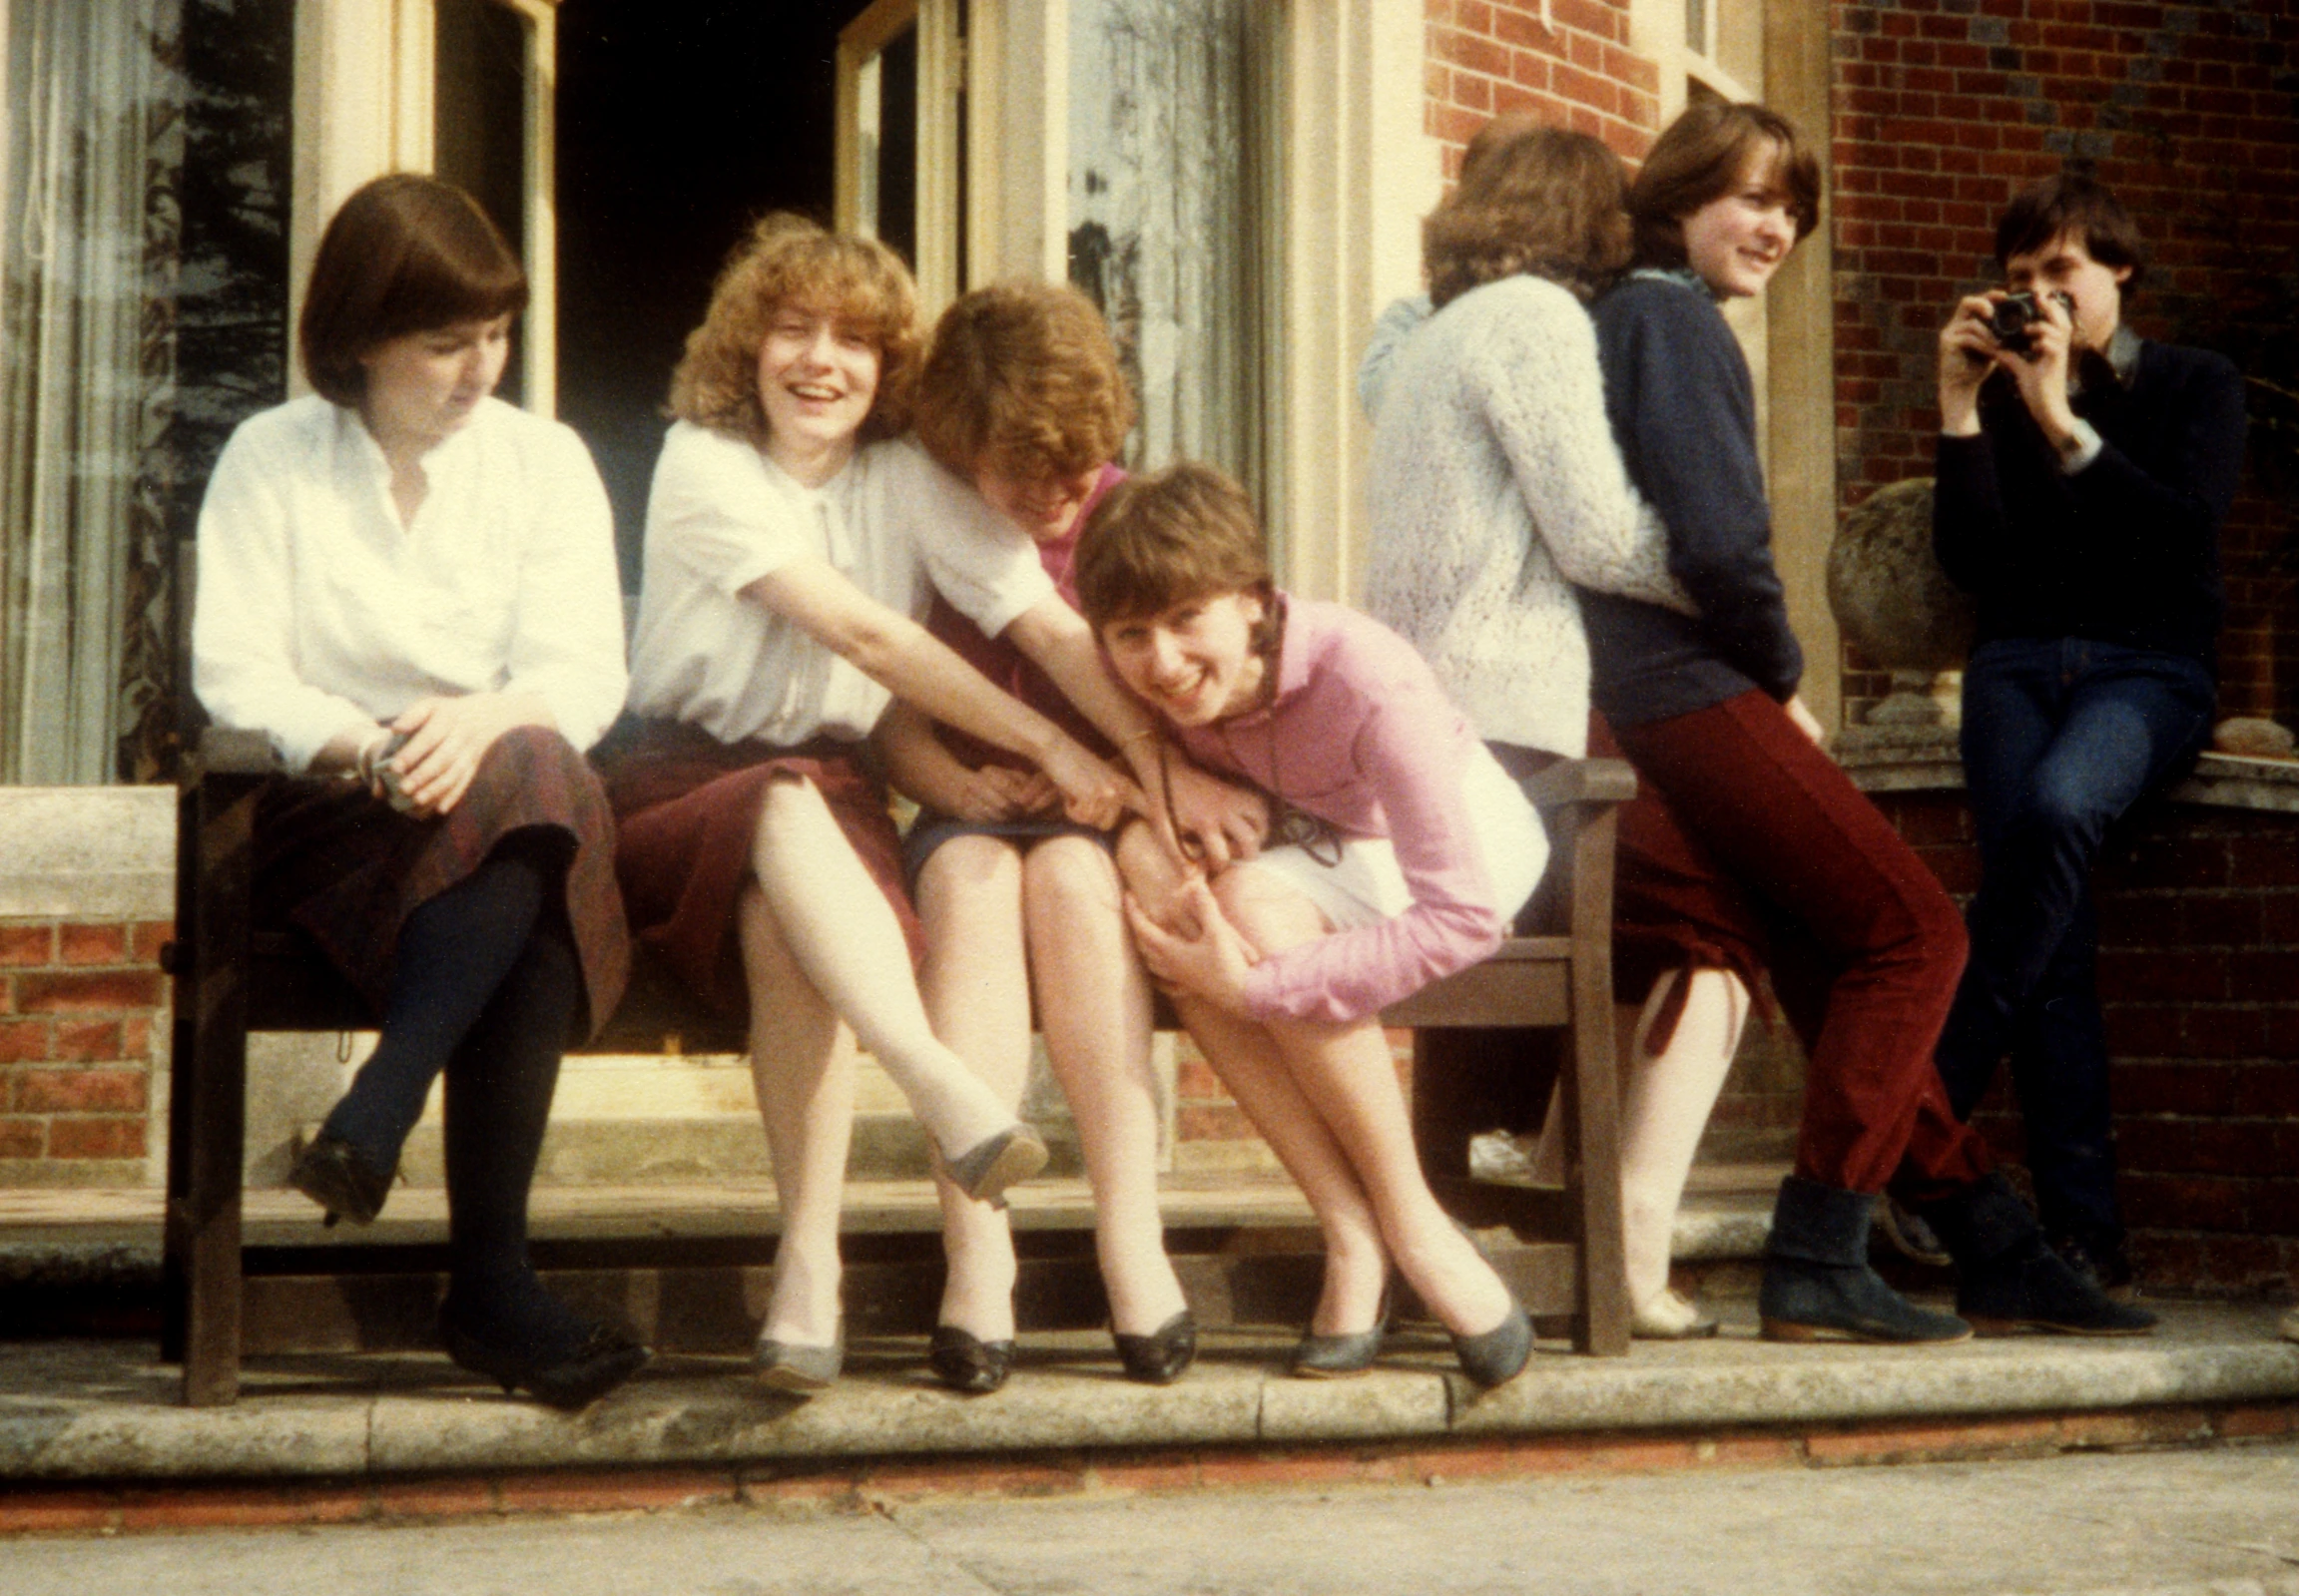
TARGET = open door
(900,163)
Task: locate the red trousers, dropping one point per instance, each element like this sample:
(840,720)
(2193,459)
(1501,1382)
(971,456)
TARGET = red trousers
(1864,946)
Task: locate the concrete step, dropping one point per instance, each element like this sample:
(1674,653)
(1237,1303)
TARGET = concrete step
(74,1413)
(626,1119)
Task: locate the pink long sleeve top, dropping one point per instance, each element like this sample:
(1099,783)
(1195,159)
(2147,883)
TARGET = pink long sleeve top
(1361,736)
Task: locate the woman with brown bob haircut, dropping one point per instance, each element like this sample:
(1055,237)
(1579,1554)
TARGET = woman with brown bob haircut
(410,587)
(1776,859)
(1021,395)
(790,544)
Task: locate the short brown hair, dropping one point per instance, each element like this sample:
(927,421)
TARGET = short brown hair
(789,260)
(1699,158)
(2073,202)
(1531,197)
(1158,540)
(404,253)
(1022,378)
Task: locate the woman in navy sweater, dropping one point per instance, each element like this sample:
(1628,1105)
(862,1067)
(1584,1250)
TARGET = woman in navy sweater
(1779,855)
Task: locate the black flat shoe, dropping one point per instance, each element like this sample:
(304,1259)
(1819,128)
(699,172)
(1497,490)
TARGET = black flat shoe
(1159,1357)
(601,1360)
(966,1363)
(336,1176)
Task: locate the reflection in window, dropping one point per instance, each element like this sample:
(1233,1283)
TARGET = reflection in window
(1168,214)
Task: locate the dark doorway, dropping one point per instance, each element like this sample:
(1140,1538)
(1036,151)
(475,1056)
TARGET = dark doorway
(679,122)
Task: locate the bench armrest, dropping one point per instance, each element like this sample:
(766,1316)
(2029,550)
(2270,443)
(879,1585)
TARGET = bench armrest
(1582,781)
(232,750)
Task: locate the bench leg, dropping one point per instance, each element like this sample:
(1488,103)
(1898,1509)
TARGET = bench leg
(207,1112)
(1592,1100)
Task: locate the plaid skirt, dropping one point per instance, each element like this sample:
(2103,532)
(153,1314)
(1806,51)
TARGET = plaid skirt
(686,809)
(347,869)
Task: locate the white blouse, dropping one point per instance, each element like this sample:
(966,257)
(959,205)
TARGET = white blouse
(721,515)
(321,612)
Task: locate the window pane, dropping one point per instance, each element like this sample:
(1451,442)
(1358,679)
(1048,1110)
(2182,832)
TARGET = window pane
(1165,227)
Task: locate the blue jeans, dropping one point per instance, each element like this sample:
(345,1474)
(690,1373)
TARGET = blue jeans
(2059,738)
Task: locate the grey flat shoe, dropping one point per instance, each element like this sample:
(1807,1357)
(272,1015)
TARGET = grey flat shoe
(986,1170)
(799,1369)
(1337,1357)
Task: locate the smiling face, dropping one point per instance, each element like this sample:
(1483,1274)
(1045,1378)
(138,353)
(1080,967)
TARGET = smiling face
(816,381)
(1738,239)
(422,388)
(1046,509)
(1193,662)
(2065,266)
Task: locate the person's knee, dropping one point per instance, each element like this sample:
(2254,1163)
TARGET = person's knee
(1066,873)
(2068,807)
(1266,911)
(967,869)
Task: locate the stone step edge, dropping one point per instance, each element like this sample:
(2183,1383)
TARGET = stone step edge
(887,1407)
(851,1485)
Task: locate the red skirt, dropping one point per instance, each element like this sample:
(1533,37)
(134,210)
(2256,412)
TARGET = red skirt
(686,809)
(347,869)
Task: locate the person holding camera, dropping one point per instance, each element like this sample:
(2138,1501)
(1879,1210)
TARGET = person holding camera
(2084,473)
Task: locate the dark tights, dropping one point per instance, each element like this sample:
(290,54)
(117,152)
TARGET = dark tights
(486,989)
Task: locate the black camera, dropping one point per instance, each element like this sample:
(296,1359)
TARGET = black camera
(2017,312)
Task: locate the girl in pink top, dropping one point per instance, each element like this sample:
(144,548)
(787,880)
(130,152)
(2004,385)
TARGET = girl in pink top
(1402,851)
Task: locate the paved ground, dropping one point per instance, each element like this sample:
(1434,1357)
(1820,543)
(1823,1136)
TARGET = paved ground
(2222,1522)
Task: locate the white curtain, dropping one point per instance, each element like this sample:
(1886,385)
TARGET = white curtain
(86,369)
(1167,214)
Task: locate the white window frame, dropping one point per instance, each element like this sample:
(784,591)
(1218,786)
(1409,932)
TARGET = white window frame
(1358,172)
(941,80)
(365,81)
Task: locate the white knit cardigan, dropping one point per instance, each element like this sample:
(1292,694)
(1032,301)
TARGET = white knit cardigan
(1494,483)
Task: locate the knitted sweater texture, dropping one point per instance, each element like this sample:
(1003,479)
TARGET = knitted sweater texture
(1494,489)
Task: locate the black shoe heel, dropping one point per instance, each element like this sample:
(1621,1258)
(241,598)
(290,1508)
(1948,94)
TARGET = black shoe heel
(1161,1356)
(337,1175)
(601,1360)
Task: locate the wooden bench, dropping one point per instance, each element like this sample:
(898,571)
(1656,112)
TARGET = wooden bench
(232,979)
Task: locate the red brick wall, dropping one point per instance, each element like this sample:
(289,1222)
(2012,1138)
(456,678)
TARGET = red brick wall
(2199,970)
(1943,108)
(1487,57)
(81,1014)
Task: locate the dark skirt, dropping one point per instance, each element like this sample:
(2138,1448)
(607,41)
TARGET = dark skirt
(1674,907)
(686,809)
(347,869)
(933,828)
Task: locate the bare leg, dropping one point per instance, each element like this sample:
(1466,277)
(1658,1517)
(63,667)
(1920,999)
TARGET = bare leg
(1665,1106)
(840,931)
(977,997)
(803,1065)
(1664,1110)
(1094,1002)
(1349,1078)
(1246,1058)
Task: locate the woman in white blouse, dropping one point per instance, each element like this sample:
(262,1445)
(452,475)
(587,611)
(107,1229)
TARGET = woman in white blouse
(793,543)
(410,587)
